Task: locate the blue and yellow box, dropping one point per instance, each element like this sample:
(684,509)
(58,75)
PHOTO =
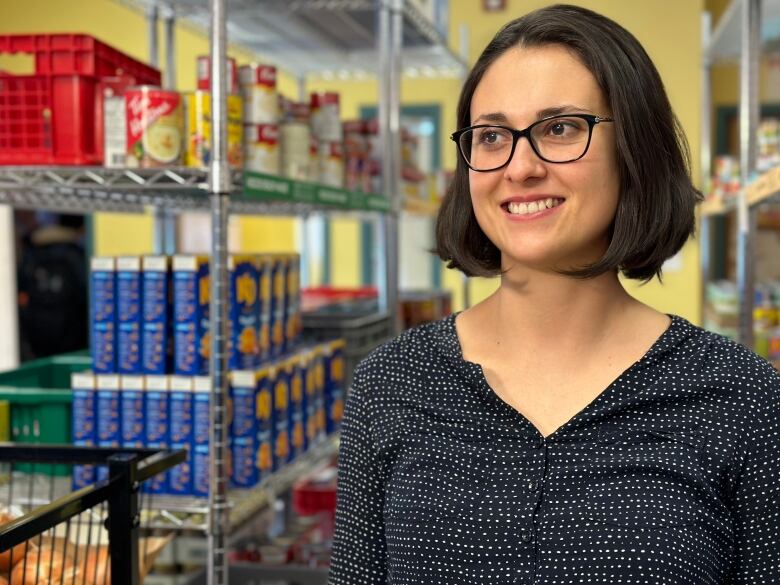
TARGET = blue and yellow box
(244,471)
(129,314)
(191,294)
(243,313)
(180,432)
(108,413)
(132,409)
(84,421)
(293,324)
(200,431)
(264,306)
(103,315)
(280,381)
(278,305)
(333,354)
(243,391)
(157,425)
(156,341)
(297,405)
(308,365)
(264,415)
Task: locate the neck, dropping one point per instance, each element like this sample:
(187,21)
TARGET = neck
(558,315)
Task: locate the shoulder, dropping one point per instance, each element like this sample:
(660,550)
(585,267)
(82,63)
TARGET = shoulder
(413,351)
(734,372)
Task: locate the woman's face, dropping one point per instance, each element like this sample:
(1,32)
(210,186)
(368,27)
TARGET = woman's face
(522,86)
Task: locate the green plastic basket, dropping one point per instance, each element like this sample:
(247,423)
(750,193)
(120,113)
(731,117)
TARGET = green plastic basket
(40,400)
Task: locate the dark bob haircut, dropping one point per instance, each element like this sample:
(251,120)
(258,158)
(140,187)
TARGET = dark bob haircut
(656,208)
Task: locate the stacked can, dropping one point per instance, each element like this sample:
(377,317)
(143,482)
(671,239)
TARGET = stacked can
(326,127)
(132,411)
(356,156)
(204,73)
(198,130)
(261,118)
(155,127)
(103,313)
(296,143)
(108,415)
(129,314)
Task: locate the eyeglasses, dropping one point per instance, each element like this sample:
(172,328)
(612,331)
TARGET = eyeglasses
(557,139)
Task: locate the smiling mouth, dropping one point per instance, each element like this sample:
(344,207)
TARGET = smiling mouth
(517,208)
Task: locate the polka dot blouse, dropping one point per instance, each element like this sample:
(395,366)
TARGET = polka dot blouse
(670,476)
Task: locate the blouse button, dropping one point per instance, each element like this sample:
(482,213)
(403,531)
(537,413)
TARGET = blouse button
(525,535)
(533,485)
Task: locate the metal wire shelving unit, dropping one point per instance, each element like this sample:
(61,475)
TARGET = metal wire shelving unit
(738,37)
(363,38)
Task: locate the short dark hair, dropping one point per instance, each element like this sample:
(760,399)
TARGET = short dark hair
(656,209)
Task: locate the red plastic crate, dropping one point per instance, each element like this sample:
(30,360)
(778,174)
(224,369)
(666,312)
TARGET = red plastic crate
(49,118)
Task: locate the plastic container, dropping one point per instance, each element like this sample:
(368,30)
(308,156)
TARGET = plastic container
(49,117)
(40,400)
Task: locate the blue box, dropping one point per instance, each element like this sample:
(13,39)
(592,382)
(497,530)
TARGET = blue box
(191,315)
(308,365)
(264,302)
(108,413)
(132,408)
(297,409)
(333,355)
(293,324)
(129,314)
(156,341)
(243,392)
(157,425)
(103,315)
(264,415)
(319,388)
(244,470)
(84,417)
(280,382)
(201,428)
(181,432)
(278,305)
(243,313)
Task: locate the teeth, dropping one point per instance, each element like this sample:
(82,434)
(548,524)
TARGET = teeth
(516,208)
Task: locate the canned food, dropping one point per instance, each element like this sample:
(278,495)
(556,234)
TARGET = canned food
(258,88)
(198,105)
(204,73)
(326,117)
(296,150)
(332,164)
(261,151)
(155,126)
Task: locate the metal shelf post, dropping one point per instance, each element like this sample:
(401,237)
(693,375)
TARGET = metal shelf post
(748,123)
(220,185)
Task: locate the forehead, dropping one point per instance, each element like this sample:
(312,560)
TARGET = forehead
(525,80)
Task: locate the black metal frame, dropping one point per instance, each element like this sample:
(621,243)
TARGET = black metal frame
(128,469)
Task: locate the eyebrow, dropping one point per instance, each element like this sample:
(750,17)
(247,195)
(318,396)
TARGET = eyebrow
(500,117)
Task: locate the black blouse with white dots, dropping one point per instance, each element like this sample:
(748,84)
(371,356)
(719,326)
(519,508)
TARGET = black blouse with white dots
(670,476)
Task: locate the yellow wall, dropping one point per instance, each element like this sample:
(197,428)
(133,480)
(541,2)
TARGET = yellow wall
(649,20)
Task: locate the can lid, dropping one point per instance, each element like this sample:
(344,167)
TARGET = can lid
(243,379)
(103,264)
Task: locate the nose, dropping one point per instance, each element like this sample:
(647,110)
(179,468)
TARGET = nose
(525,163)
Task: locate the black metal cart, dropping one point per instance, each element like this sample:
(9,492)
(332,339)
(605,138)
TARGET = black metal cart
(59,535)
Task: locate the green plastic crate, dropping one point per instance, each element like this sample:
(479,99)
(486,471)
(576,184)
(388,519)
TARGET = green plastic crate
(40,398)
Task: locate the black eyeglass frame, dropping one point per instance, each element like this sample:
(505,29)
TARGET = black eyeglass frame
(518,134)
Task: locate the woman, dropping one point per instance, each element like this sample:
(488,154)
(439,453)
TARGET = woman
(561,431)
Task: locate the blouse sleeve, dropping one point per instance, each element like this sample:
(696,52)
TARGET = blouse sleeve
(359,552)
(756,501)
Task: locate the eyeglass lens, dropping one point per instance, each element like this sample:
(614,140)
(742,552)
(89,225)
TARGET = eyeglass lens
(556,140)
